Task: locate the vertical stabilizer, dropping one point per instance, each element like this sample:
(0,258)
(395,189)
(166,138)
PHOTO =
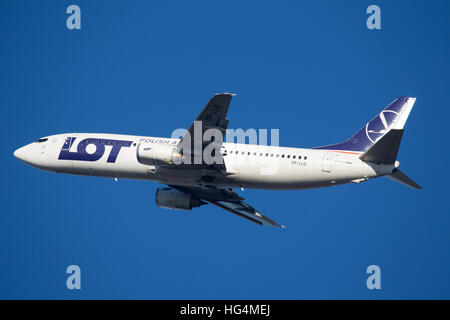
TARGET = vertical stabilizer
(393,117)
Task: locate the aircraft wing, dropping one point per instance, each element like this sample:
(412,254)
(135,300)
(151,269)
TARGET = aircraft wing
(228,200)
(213,116)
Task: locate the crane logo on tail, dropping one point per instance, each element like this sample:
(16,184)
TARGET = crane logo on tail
(376,128)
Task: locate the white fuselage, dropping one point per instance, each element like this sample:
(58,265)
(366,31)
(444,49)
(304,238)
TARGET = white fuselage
(247,166)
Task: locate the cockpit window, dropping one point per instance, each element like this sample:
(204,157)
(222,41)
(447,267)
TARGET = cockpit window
(41,140)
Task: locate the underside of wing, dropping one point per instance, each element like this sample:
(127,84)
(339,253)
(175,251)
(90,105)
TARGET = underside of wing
(212,118)
(230,201)
(214,113)
(245,211)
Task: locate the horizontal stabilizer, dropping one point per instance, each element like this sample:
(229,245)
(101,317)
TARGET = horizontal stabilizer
(399,176)
(384,150)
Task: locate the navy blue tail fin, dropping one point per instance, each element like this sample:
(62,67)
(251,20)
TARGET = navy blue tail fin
(393,117)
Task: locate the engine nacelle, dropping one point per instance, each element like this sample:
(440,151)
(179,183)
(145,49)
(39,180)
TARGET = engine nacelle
(174,199)
(151,154)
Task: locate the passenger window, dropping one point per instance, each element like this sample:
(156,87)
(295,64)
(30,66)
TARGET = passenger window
(271,154)
(282,155)
(305,158)
(293,157)
(288,156)
(254,153)
(267,154)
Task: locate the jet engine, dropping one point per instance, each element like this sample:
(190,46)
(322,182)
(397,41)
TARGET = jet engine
(174,199)
(151,154)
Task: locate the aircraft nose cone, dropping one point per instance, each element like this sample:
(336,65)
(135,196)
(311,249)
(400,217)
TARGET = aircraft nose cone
(20,154)
(25,154)
(32,155)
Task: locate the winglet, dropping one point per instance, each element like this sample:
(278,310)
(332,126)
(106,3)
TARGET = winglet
(225,93)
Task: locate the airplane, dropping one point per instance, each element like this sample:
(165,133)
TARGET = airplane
(369,153)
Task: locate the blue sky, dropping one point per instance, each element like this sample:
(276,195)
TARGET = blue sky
(311,69)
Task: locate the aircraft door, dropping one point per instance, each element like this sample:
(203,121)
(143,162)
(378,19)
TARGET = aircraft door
(326,162)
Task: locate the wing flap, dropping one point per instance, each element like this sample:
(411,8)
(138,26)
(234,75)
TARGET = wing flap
(228,200)
(245,211)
